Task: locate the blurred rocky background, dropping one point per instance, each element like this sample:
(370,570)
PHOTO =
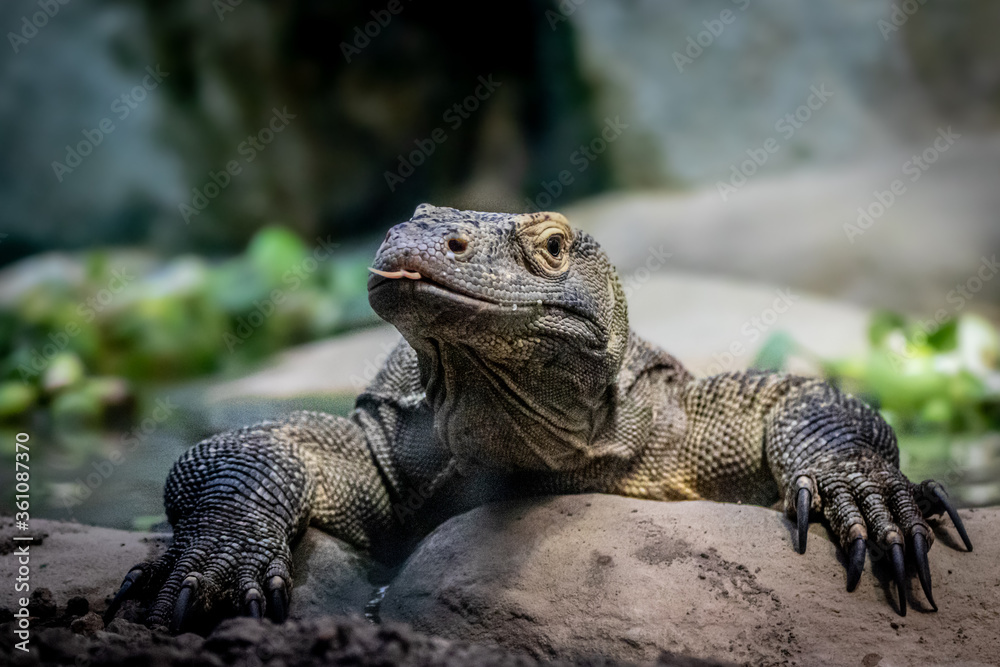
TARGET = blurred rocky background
(189,188)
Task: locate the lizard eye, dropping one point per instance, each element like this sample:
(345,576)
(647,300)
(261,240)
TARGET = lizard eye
(457,245)
(554,245)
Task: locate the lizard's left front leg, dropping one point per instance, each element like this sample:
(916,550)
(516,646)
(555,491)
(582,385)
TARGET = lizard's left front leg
(827,452)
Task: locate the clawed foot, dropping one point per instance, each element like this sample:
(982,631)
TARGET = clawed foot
(213,576)
(871,502)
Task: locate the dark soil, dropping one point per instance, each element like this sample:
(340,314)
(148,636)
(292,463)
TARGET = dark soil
(73,634)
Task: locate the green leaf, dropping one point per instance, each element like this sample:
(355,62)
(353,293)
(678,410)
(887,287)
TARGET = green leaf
(145,523)
(775,352)
(275,251)
(65,370)
(882,324)
(945,337)
(16,398)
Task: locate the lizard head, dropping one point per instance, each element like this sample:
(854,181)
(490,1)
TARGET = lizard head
(520,326)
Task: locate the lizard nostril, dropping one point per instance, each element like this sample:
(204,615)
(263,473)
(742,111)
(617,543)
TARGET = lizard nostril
(457,245)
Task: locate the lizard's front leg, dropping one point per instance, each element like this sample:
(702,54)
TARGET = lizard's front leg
(238,500)
(827,452)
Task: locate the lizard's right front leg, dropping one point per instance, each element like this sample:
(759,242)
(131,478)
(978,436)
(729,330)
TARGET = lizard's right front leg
(238,500)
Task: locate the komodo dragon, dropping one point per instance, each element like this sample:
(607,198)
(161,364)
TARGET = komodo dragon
(518,375)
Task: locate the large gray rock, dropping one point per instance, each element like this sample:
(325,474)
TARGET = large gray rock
(573,575)
(700,83)
(576,576)
(331,577)
(798,231)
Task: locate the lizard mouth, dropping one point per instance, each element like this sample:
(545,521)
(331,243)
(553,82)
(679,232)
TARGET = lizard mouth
(425,284)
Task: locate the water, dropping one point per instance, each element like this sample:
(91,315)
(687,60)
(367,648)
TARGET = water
(114,477)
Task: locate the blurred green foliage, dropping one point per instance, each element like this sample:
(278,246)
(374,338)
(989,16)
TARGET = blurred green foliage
(78,342)
(941,381)
(947,379)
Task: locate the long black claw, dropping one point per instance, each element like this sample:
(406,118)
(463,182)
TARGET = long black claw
(923,569)
(123,594)
(953,513)
(183,605)
(856,564)
(278,599)
(804,501)
(251,603)
(898,565)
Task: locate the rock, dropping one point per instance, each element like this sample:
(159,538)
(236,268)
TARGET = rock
(703,85)
(714,325)
(306,370)
(331,577)
(566,577)
(41,604)
(87,624)
(321,641)
(588,574)
(77,606)
(792,231)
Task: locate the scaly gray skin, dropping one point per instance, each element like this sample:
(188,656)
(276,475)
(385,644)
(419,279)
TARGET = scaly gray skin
(519,376)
